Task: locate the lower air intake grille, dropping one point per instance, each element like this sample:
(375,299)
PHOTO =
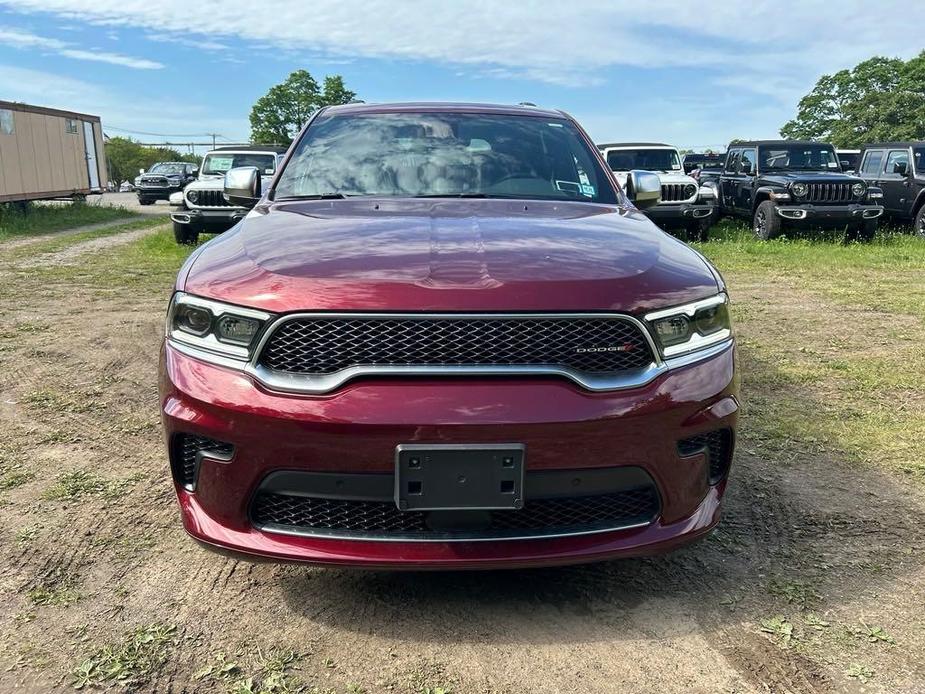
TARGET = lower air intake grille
(717,445)
(184,456)
(382,519)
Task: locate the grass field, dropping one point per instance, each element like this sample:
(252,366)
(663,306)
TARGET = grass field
(39,219)
(813,582)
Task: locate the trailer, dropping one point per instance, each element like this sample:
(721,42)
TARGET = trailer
(46,153)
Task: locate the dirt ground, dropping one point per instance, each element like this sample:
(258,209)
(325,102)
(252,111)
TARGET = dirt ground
(814,582)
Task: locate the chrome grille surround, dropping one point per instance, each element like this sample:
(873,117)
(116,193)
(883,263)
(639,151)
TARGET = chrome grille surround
(324,371)
(209,198)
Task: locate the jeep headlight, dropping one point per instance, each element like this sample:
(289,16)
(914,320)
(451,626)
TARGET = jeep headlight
(689,190)
(216,331)
(192,195)
(858,189)
(799,190)
(691,327)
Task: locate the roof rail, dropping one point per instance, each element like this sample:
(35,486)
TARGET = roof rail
(527,103)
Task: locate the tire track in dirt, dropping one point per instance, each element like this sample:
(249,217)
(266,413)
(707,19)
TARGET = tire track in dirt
(75,252)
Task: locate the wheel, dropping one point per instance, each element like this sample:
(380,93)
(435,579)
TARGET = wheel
(766,224)
(865,231)
(145,201)
(185,234)
(918,226)
(698,231)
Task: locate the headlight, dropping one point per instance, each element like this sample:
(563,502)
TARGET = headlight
(689,190)
(138,180)
(193,195)
(691,327)
(213,328)
(858,189)
(799,189)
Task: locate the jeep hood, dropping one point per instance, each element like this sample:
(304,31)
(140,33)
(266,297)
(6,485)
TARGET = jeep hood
(811,177)
(447,255)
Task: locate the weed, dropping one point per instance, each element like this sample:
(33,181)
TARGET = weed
(128,662)
(859,672)
(57,596)
(43,219)
(795,592)
(80,483)
(780,628)
(874,634)
(14,476)
(27,534)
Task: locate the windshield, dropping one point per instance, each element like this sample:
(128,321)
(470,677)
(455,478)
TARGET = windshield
(918,154)
(444,155)
(167,168)
(645,159)
(797,158)
(218,163)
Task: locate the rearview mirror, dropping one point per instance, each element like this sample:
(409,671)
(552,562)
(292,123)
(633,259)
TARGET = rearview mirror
(644,188)
(900,168)
(242,186)
(746,168)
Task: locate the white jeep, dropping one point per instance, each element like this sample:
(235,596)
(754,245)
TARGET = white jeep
(203,207)
(684,204)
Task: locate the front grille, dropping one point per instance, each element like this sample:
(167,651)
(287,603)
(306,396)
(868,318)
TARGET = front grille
(829,192)
(184,456)
(154,182)
(211,198)
(382,519)
(325,345)
(678,192)
(717,445)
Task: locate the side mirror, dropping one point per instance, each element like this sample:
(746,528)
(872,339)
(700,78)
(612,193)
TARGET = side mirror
(900,168)
(644,188)
(141,171)
(242,186)
(194,172)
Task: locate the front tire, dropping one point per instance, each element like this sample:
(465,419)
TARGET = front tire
(145,201)
(185,234)
(863,232)
(698,231)
(766,224)
(918,226)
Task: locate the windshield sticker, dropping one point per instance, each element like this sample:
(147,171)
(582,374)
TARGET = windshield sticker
(587,190)
(220,163)
(675,167)
(833,164)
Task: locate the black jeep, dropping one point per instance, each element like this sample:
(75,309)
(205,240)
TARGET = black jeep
(780,184)
(898,169)
(162,179)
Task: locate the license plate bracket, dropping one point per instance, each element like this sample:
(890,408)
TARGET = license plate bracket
(434,477)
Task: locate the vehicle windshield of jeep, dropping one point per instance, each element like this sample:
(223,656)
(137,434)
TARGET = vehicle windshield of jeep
(217,163)
(167,168)
(918,154)
(784,157)
(444,154)
(645,159)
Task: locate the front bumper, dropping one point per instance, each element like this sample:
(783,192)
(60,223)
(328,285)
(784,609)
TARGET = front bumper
(829,213)
(210,219)
(356,430)
(681,214)
(156,193)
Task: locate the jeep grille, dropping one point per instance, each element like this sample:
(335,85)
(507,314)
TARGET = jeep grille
(320,344)
(678,192)
(829,192)
(211,198)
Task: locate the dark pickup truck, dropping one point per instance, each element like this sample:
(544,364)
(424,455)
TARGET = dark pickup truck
(898,169)
(781,184)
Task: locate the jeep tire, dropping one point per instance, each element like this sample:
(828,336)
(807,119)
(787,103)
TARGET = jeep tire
(864,231)
(918,225)
(185,234)
(766,224)
(698,230)
(145,201)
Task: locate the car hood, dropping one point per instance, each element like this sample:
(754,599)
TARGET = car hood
(785,177)
(666,177)
(211,183)
(447,255)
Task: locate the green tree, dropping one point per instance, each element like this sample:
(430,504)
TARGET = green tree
(880,99)
(278,116)
(125,157)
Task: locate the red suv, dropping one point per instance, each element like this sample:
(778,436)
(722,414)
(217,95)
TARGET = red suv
(443,337)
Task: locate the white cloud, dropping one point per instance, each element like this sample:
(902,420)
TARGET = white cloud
(546,40)
(16,38)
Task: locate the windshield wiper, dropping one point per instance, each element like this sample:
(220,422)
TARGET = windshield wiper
(320,196)
(455,195)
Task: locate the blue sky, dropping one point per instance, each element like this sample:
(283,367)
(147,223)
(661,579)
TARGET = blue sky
(693,74)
